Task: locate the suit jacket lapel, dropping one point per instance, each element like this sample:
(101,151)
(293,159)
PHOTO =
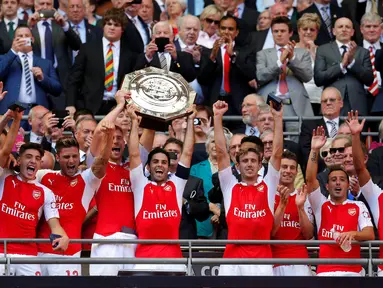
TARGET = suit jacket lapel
(3,30)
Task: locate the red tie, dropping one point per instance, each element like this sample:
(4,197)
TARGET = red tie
(226,71)
(374,88)
(282,78)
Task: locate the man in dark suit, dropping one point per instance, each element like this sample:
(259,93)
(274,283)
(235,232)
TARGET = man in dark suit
(137,32)
(37,133)
(159,7)
(225,70)
(53,38)
(292,13)
(328,14)
(92,84)
(331,105)
(9,24)
(170,59)
(27,77)
(345,66)
(248,15)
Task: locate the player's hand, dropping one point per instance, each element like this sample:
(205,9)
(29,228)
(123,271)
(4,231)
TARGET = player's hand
(192,109)
(353,122)
(354,186)
(345,237)
(301,197)
(122,96)
(318,139)
(131,112)
(107,127)
(220,108)
(63,243)
(284,194)
(2,94)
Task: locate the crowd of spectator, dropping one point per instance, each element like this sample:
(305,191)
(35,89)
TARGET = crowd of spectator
(66,175)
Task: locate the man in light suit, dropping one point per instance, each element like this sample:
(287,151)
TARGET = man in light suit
(345,66)
(282,71)
(27,77)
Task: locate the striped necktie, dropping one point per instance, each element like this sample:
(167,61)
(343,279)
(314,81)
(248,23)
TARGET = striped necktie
(109,69)
(374,88)
(333,131)
(283,88)
(163,63)
(27,74)
(326,19)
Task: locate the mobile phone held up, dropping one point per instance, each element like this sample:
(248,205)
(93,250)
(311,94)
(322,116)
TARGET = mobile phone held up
(161,42)
(61,114)
(277,102)
(46,14)
(17,104)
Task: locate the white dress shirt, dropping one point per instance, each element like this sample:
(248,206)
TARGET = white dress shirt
(141,29)
(116,61)
(15,21)
(34,138)
(329,126)
(269,41)
(20,13)
(23,97)
(248,131)
(279,63)
(376,46)
(290,13)
(205,40)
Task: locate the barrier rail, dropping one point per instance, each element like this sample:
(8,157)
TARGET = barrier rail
(369,262)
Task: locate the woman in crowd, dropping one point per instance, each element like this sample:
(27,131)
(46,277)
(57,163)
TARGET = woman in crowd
(209,18)
(308,28)
(205,171)
(91,16)
(325,154)
(175,9)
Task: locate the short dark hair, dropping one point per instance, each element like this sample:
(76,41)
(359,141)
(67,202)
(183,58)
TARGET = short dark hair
(172,140)
(117,15)
(282,20)
(245,152)
(207,109)
(337,168)
(227,17)
(287,154)
(255,140)
(66,143)
(20,26)
(82,112)
(31,145)
(156,151)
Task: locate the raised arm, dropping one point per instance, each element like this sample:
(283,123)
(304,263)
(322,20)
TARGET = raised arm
(188,148)
(276,155)
(134,149)
(307,227)
(223,158)
(357,152)
(106,142)
(317,142)
(6,150)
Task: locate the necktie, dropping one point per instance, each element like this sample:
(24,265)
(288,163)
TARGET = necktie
(226,71)
(109,69)
(164,64)
(11,30)
(75,29)
(374,88)
(333,131)
(49,54)
(374,7)
(25,15)
(326,19)
(283,88)
(344,47)
(252,131)
(27,74)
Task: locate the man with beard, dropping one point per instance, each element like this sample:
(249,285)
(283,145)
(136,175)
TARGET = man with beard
(293,219)
(73,192)
(337,218)
(158,201)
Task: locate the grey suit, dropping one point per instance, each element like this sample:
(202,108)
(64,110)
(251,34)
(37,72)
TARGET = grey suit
(327,73)
(299,70)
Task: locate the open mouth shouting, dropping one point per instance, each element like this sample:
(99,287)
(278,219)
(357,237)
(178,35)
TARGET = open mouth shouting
(31,170)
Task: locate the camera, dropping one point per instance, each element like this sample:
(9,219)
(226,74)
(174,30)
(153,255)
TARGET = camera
(197,121)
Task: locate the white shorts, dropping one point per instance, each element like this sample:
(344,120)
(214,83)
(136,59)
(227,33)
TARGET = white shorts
(112,251)
(342,274)
(292,270)
(60,269)
(245,270)
(160,267)
(21,269)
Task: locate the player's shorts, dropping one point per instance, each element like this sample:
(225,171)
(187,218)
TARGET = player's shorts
(342,274)
(292,270)
(60,269)
(160,267)
(245,270)
(380,272)
(112,251)
(20,269)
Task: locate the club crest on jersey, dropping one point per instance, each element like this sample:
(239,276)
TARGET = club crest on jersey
(352,211)
(73,182)
(36,194)
(168,188)
(261,188)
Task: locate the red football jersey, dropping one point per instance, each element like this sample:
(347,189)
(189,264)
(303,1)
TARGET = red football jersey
(115,201)
(158,213)
(349,216)
(290,229)
(73,195)
(249,212)
(22,204)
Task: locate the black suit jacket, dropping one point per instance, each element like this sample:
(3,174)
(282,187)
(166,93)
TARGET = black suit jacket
(133,38)
(156,11)
(44,142)
(375,162)
(184,64)
(250,17)
(323,35)
(85,87)
(5,40)
(379,60)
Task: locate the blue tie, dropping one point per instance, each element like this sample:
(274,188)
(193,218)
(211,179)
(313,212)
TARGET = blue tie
(49,54)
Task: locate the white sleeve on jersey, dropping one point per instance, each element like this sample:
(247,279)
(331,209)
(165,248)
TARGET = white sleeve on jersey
(227,182)
(138,183)
(364,218)
(89,159)
(180,184)
(309,211)
(3,174)
(92,183)
(372,193)
(41,173)
(143,154)
(50,211)
(272,180)
(317,199)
